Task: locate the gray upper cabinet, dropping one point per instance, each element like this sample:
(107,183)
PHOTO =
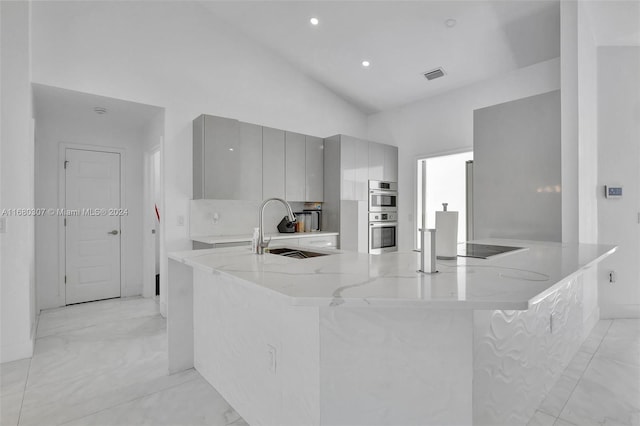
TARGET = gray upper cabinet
(273,170)
(314,164)
(233,160)
(383,162)
(295,165)
(376,161)
(227,159)
(221,135)
(390,170)
(333,184)
(249,160)
(198,158)
(347,167)
(361,187)
(354,165)
(304,165)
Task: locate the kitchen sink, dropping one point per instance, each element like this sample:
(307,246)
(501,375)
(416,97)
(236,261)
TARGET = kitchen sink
(295,253)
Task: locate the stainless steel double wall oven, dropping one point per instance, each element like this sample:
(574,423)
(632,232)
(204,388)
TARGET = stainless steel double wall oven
(383,217)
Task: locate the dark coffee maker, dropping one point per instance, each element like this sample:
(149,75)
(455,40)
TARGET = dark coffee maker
(285,226)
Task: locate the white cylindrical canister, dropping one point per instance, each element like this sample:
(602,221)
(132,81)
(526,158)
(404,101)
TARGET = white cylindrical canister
(446,234)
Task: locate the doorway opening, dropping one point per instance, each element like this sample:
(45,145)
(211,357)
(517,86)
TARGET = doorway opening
(446,182)
(151,223)
(87,126)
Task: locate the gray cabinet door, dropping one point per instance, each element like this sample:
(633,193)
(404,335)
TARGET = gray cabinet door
(390,172)
(332,184)
(347,168)
(361,187)
(232,160)
(198,158)
(272,163)
(249,172)
(314,190)
(221,158)
(376,161)
(295,180)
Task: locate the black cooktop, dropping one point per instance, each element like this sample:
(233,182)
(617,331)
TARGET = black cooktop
(483,251)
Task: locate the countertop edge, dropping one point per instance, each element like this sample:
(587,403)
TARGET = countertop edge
(539,297)
(219,239)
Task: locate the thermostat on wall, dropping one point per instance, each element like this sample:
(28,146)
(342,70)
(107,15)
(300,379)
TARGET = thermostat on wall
(612,191)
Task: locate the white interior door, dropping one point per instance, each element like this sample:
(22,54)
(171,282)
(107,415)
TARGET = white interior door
(92,237)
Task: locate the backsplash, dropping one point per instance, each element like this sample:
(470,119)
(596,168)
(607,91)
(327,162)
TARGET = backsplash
(235,216)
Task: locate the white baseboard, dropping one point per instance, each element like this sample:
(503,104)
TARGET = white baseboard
(132,290)
(17,351)
(620,311)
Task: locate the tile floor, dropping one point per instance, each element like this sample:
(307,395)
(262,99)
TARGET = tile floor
(105,363)
(601,385)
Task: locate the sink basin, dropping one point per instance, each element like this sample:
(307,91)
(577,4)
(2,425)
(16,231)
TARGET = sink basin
(295,253)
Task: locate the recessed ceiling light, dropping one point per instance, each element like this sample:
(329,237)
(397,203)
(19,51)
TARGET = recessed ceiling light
(366,64)
(230,149)
(100,110)
(450,23)
(314,21)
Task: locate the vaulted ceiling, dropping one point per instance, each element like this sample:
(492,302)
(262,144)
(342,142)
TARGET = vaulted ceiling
(401,40)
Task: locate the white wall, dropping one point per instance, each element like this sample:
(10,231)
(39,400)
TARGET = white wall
(16,188)
(178,56)
(569,117)
(53,128)
(445,123)
(619,164)
(587,129)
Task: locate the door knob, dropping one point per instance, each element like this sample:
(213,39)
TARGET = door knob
(114,232)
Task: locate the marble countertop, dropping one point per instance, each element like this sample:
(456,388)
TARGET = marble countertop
(217,239)
(512,281)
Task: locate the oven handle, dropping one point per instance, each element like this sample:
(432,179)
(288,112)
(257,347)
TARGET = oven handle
(383,191)
(382,224)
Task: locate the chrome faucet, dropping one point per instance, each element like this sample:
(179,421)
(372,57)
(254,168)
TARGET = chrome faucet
(261,243)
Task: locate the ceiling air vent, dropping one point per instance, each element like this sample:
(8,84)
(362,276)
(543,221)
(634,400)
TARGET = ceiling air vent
(433,74)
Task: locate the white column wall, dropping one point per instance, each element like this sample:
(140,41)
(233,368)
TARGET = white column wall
(569,114)
(18,317)
(587,159)
(619,164)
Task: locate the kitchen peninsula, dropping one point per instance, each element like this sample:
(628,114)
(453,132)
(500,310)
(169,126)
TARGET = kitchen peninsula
(351,338)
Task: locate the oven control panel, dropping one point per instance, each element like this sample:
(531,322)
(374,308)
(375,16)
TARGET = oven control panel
(383,217)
